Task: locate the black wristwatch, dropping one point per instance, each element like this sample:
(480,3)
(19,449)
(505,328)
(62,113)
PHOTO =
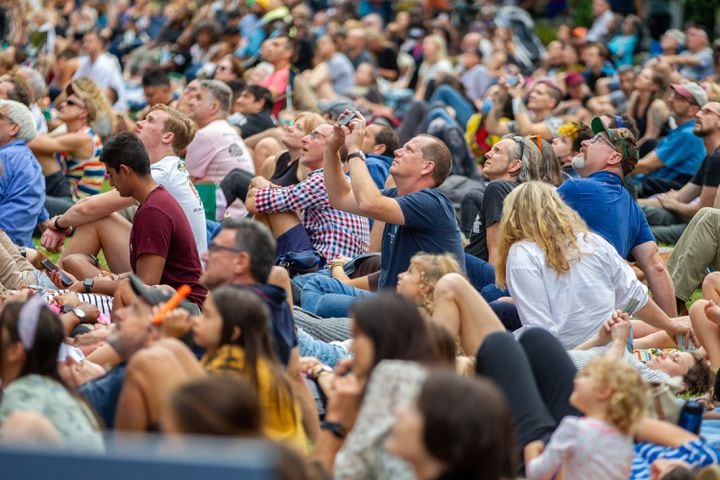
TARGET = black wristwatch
(360,155)
(88,284)
(57,225)
(335,428)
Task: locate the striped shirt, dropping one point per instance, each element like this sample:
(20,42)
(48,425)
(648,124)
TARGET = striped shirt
(697,453)
(332,232)
(86,176)
(582,357)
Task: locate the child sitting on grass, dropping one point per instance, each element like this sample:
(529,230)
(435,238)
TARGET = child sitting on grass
(611,394)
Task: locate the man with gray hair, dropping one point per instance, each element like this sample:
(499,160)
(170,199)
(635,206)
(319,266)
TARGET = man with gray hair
(217,148)
(22,185)
(37,85)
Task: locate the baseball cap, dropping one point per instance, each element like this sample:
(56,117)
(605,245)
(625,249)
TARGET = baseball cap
(157,295)
(623,140)
(574,78)
(676,35)
(692,92)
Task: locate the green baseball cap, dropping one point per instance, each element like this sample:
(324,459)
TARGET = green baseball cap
(623,140)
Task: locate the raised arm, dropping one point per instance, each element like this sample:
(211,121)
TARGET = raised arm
(340,192)
(367,199)
(656,117)
(67,142)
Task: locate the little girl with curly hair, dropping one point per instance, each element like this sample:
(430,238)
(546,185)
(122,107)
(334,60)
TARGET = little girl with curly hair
(599,445)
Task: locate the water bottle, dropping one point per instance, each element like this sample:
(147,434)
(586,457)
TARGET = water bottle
(691,416)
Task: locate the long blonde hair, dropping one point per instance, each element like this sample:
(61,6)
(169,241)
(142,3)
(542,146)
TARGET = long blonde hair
(431,268)
(534,211)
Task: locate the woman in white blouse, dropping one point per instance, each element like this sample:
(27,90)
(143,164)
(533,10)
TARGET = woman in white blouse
(561,276)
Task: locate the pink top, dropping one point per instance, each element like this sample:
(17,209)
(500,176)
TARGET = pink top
(277,81)
(586,448)
(214,152)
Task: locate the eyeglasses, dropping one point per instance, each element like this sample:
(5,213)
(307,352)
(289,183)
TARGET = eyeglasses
(600,136)
(287,122)
(214,247)
(521,143)
(675,94)
(315,134)
(5,117)
(709,110)
(75,103)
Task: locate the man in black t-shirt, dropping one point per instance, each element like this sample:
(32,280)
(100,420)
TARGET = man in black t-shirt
(255,103)
(669,213)
(506,165)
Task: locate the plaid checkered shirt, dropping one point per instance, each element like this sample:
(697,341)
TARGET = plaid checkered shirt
(332,232)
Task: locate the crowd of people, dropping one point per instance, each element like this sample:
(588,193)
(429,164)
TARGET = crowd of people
(388,241)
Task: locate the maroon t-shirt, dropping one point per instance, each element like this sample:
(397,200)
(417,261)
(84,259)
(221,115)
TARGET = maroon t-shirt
(161,228)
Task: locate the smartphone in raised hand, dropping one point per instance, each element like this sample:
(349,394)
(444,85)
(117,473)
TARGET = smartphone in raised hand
(345,118)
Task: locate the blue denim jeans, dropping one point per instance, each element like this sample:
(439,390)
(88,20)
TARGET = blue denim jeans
(328,353)
(482,276)
(327,297)
(452,98)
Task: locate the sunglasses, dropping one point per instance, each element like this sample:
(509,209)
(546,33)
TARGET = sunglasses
(75,103)
(676,94)
(709,110)
(519,140)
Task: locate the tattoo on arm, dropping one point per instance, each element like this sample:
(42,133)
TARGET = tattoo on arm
(656,117)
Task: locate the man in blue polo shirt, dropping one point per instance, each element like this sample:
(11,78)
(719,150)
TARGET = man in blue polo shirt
(677,156)
(22,185)
(608,208)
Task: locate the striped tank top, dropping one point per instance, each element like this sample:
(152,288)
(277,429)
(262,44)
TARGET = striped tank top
(85,176)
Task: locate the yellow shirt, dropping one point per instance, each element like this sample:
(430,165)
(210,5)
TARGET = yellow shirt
(281,414)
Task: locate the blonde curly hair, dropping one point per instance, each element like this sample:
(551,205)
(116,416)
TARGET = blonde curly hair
(534,211)
(626,404)
(430,269)
(100,114)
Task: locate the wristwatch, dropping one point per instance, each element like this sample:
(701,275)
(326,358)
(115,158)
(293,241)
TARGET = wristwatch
(88,284)
(79,312)
(57,225)
(335,428)
(360,155)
